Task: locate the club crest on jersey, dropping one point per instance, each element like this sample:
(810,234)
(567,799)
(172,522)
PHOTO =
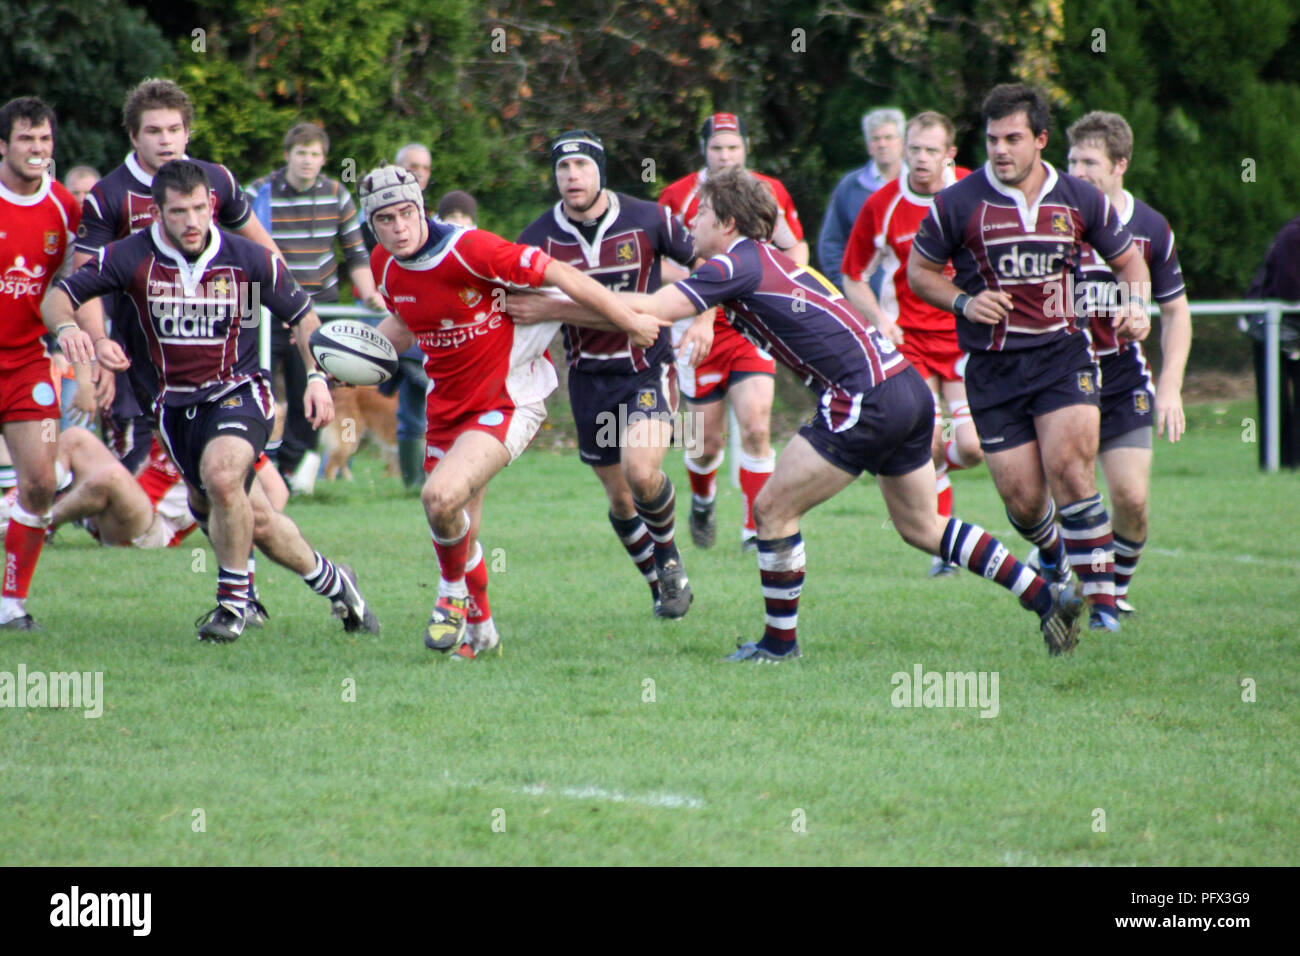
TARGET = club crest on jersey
(234,401)
(1141,403)
(52,243)
(625,251)
(1060,224)
(1085,383)
(646,398)
(470,296)
(221,286)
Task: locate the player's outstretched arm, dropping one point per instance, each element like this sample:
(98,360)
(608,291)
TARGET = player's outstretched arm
(586,291)
(317,405)
(864,300)
(396,331)
(930,285)
(1175,345)
(671,304)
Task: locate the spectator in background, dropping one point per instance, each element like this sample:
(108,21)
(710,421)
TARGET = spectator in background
(415,158)
(306,212)
(883,131)
(79,180)
(1279,278)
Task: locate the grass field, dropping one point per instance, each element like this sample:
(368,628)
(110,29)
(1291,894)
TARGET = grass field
(557,745)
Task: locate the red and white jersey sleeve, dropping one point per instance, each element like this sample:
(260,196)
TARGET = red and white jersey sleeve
(476,358)
(36,233)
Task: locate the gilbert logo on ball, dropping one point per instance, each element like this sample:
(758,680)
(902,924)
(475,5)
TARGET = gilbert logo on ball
(353,352)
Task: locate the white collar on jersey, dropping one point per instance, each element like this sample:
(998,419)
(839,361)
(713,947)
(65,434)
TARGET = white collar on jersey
(17,199)
(133,166)
(917,199)
(590,250)
(190,273)
(1127,214)
(1028,214)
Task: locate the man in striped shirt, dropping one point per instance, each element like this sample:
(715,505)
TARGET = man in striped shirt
(305,212)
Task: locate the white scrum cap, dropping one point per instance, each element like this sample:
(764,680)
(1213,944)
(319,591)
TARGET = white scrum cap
(388,186)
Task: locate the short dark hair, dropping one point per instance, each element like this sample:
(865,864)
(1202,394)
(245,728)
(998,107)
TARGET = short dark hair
(735,194)
(1007,99)
(458,201)
(181,176)
(304,134)
(31,108)
(154,94)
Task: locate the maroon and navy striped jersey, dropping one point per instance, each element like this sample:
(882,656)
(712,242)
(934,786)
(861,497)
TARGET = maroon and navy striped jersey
(996,241)
(118,205)
(196,322)
(624,256)
(1098,296)
(794,312)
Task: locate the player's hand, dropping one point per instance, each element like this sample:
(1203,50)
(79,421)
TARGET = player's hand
(644,329)
(1169,412)
(1132,323)
(61,364)
(76,345)
(696,343)
(109,355)
(989,307)
(376,302)
(317,403)
(105,387)
(891,331)
(529,308)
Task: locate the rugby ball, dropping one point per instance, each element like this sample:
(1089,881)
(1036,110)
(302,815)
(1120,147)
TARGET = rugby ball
(354,352)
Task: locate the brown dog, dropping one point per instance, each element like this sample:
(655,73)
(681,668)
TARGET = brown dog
(359,411)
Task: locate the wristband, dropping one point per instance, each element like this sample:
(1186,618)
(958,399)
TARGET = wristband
(319,376)
(959,305)
(59,329)
(1137,300)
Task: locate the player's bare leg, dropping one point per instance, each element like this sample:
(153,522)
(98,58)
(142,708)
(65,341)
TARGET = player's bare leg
(459,477)
(655,501)
(480,633)
(751,400)
(956,446)
(802,480)
(102,489)
(223,468)
(703,459)
(1128,479)
(33,450)
(911,501)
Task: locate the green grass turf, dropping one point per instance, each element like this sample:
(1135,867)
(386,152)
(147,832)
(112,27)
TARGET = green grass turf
(555,740)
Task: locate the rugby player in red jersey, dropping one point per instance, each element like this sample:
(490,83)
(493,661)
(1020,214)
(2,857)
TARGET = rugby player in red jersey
(190,289)
(1013,230)
(1101,147)
(621,242)
(735,369)
(38,219)
(882,236)
(446,287)
(874,414)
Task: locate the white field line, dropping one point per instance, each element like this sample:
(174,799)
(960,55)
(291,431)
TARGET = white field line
(663,801)
(1239,558)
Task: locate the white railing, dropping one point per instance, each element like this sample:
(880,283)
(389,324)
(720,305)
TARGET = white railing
(1273,310)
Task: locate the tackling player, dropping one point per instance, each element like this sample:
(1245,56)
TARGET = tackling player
(875,414)
(1013,230)
(620,241)
(189,284)
(882,236)
(1101,147)
(38,218)
(735,368)
(446,287)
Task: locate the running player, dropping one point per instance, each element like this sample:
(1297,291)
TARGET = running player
(619,241)
(38,219)
(875,414)
(882,236)
(1101,148)
(190,285)
(446,287)
(736,369)
(157,116)
(1013,231)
